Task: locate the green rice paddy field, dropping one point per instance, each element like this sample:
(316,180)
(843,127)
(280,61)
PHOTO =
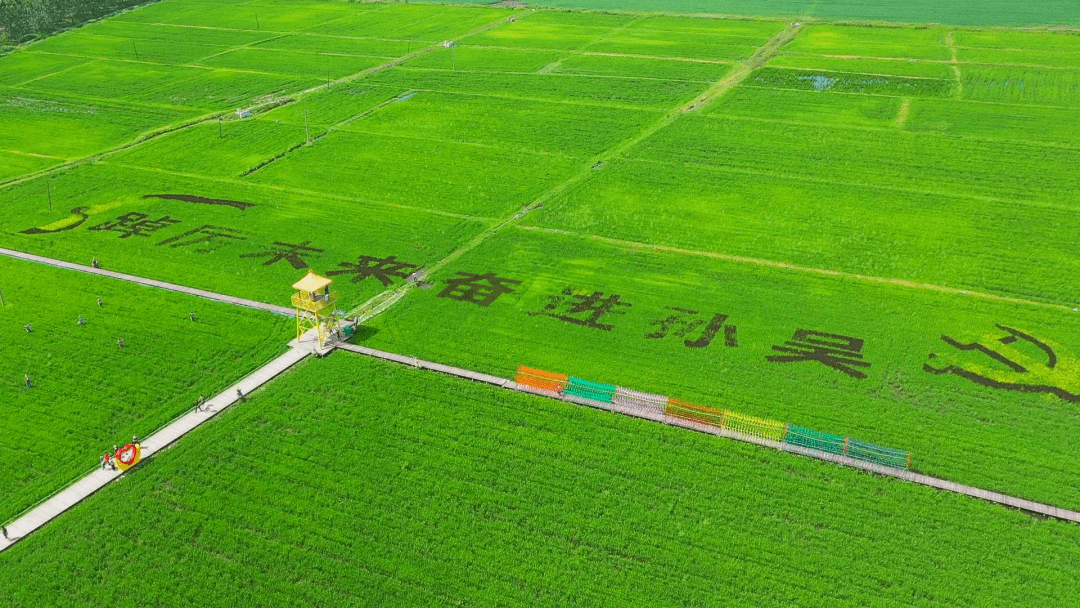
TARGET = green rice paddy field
(89,394)
(957,12)
(412,489)
(862,230)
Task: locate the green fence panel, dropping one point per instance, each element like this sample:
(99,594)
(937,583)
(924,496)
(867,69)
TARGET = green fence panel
(815,440)
(899,459)
(590,390)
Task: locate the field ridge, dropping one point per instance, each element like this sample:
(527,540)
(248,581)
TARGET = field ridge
(804,269)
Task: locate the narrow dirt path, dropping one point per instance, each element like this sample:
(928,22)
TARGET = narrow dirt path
(902,113)
(950,43)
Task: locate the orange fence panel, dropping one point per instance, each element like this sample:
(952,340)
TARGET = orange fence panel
(538,378)
(695,413)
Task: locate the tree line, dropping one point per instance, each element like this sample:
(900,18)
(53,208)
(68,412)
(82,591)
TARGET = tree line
(24,20)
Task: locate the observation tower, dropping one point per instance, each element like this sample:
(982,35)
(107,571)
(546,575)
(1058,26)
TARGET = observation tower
(314,304)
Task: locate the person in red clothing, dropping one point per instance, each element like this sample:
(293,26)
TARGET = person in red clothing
(105,460)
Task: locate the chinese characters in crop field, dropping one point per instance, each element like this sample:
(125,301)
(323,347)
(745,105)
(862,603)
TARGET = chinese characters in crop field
(586,310)
(1014,361)
(207,234)
(385,270)
(288,252)
(842,353)
(479,289)
(685,323)
(1010,359)
(136,224)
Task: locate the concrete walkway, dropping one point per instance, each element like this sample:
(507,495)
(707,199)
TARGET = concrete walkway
(41,514)
(642,412)
(209,295)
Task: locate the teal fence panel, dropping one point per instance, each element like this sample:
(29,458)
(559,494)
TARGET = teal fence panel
(869,452)
(815,440)
(589,390)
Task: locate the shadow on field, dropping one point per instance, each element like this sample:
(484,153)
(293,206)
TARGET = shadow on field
(362,334)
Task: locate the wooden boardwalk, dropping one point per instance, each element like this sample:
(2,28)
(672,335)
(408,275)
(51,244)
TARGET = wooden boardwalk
(641,412)
(52,507)
(202,293)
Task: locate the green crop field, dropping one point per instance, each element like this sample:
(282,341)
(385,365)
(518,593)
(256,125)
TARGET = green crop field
(957,12)
(864,229)
(408,489)
(89,394)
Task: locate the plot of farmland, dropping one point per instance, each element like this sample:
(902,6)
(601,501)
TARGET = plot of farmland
(958,12)
(88,393)
(442,492)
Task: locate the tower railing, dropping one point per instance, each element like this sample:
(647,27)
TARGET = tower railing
(314,302)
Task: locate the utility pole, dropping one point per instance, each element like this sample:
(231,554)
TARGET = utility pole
(48,189)
(306,131)
(136,50)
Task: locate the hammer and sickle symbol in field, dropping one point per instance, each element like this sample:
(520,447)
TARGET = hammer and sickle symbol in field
(1036,369)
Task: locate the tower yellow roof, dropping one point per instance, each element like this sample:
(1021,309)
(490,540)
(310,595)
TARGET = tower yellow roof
(311,282)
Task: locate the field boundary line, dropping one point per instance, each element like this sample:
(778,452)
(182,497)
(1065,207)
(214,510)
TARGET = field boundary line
(642,412)
(720,115)
(1043,204)
(564,101)
(202,293)
(580,52)
(19,85)
(727,257)
(312,193)
(950,43)
(73,494)
(33,154)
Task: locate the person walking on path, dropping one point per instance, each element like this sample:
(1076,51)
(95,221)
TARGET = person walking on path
(239,394)
(199,405)
(95,263)
(104,461)
(135,440)
(28,382)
